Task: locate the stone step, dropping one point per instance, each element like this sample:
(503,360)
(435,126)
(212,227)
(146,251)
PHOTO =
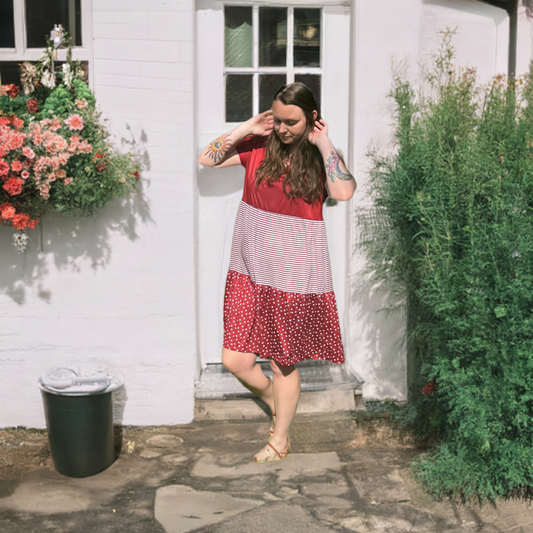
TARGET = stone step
(325,387)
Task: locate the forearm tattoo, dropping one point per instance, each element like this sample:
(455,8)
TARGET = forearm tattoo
(218,149)
(333,170)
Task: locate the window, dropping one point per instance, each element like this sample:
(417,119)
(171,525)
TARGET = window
(24,25)
(267,47)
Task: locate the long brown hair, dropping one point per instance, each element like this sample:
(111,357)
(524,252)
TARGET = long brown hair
(304,178)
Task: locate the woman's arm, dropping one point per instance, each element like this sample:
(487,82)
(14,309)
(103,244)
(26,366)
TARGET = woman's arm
(340,183)
(221,152)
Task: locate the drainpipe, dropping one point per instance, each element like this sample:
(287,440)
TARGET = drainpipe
(512,9)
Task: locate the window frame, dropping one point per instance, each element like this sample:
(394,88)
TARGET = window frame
(289,70)
(22,53)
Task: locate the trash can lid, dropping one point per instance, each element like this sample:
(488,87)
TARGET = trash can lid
(82,378)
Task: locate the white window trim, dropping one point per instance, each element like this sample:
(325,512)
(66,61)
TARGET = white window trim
(289,69)
(285,3)
(22,53)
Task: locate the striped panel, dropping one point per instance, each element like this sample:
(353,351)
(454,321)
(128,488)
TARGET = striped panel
(283,252)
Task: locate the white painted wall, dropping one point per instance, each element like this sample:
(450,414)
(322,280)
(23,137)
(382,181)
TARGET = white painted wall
(121,286)
(118,287)
(404,33)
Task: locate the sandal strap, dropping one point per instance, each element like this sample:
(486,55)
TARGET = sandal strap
(280,455)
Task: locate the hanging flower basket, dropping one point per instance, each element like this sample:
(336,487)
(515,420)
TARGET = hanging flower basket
(55,152)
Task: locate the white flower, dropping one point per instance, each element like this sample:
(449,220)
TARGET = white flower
(67,75)
(20,241)
(48,79)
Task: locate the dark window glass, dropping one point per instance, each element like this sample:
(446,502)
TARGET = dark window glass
(238,36)
(313,81)
(43,15)
(9,73)
(268,85)
(272,36)
(7,24)
(306,37)
(239,97)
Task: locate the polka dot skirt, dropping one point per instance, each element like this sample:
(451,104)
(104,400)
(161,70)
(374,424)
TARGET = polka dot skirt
(285,326)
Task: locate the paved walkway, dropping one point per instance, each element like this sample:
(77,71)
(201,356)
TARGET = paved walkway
(344,475)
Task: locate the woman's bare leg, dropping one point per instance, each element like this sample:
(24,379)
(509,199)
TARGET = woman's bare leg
(286,396)
(244,367)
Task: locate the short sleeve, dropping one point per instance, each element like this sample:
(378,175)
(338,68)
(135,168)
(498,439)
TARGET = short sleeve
(246,147)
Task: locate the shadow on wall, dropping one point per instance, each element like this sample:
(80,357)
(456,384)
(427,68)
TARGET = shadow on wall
(69,239)
(380,320)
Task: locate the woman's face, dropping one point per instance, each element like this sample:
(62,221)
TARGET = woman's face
(289,122)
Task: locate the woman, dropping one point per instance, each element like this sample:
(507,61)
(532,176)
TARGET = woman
(279,302)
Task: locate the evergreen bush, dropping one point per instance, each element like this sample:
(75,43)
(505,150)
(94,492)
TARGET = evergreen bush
(452,227)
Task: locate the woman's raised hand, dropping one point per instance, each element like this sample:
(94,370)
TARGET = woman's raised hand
(262,124)
(319,132)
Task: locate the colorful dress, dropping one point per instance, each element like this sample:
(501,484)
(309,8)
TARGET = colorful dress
(279,299)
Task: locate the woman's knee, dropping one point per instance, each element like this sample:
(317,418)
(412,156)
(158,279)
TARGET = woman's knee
(237,362)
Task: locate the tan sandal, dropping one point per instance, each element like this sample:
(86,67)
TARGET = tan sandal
(278,456)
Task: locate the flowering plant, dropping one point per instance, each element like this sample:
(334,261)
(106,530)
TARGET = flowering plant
(55,152)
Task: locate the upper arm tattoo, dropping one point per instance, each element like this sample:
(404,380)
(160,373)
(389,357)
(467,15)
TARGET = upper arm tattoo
(333,170)
(218,149)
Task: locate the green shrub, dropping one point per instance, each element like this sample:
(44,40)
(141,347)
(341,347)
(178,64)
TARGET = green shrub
(452,228)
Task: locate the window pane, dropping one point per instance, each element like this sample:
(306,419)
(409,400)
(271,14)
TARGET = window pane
(239,92)
(7,24)
(9,73)
(306,37)
(313,81)
(238,36)
(268,85)
(272,36)
(42,16)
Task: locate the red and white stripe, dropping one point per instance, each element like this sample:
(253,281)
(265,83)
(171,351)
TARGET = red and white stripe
(281,251)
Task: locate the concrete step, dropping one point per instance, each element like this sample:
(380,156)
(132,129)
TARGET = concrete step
(326,387)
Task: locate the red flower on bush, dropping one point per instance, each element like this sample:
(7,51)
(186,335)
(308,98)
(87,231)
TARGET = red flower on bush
(32,105)
(101,166)
(137,175)
(13,185)
(7,211)
(9,215)
(12,90)
(430,388)
(16,166)
(22,221)
(17,122)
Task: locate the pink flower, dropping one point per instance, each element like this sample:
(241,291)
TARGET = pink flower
(81,103)
(28,152)
(16,166)
(74,122)
(67,181)
(85,148)
(25,175)
(56,124)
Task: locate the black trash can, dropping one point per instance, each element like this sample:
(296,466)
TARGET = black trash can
(78,406)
